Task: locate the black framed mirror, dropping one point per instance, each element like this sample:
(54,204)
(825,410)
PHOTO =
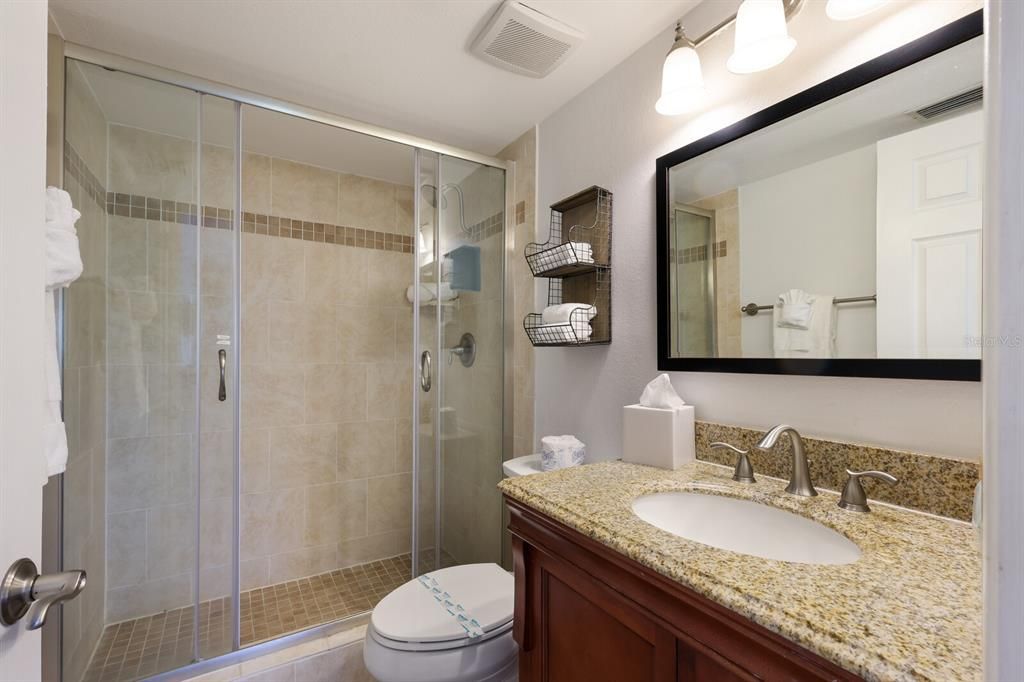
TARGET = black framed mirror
(837,232)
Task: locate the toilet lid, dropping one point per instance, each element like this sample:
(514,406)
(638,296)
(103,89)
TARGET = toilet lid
(447,604)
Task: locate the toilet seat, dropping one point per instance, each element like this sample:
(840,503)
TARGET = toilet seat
(447,606)
(450,625)
(444,645)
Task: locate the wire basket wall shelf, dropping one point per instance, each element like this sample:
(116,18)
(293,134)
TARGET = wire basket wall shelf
(576,261)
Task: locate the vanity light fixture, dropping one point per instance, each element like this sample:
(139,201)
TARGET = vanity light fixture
(842,10)
(762,40)
(682,82)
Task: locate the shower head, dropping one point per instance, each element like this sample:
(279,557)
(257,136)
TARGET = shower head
(429,195)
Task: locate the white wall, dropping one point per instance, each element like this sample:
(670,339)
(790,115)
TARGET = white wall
(610,135)
(1003,363)
(22,192)
(811,228)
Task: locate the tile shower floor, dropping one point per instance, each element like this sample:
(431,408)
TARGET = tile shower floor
(136,649)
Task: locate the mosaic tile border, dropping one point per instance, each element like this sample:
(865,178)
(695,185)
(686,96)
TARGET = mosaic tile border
(488,227)
(693,254)
(75,166)
(165,210)
(937,485)
(184,213)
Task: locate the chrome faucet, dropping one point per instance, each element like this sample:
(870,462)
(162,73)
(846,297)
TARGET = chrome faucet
(800,475)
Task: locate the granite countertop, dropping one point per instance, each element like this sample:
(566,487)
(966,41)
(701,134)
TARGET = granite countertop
(909,609)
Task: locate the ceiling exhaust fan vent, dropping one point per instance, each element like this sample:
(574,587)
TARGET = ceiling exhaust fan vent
(949,105)
(524,41)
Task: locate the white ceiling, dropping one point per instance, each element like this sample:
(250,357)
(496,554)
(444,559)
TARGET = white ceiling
(858,118)
(402,64)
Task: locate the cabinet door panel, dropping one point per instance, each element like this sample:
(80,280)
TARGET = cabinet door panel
(695,666)
(585,642)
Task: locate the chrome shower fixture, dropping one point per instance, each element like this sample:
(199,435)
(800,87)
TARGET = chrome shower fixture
(431,198)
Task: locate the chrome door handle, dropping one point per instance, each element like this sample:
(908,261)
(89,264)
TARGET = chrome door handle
(425,380)
(23,591)
(222,395)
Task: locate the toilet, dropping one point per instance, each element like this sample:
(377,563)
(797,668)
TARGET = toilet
(449,625)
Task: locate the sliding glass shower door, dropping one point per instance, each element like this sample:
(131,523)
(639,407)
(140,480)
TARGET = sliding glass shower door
(458,361)
(283,372)
(149,368)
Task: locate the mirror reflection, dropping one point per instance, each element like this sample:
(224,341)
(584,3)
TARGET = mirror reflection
(851,230)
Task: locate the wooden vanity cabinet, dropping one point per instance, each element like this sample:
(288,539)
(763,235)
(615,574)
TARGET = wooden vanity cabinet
(585,613)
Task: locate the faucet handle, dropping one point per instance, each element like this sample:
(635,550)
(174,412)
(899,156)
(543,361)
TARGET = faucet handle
(743,472)
(853,497)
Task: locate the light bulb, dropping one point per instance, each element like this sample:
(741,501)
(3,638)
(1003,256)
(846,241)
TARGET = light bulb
(762,40)
(682,82)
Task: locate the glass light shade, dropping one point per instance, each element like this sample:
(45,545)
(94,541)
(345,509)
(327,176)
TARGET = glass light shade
(841,10)
(762,40)
(682,82)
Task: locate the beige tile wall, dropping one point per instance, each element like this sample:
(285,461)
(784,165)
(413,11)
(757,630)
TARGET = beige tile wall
(85,382)
(524,219)
(524,152)
(151,333)
(727,270)
(326,447)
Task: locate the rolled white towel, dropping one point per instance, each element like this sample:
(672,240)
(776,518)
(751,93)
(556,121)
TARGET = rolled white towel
(428,292)
(565,254)
(578,315)
(562,313)
(584,251)
(563,333)
(558,452)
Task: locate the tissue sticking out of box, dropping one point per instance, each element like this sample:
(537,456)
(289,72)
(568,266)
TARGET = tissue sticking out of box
(660,393)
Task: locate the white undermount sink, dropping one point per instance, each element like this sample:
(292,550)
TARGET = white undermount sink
(745,527)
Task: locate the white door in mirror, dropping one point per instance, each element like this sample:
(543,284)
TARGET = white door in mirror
(745,527)
(929,241)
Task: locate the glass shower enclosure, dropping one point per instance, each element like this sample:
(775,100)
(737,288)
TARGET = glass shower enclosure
(283,370)
(692,254)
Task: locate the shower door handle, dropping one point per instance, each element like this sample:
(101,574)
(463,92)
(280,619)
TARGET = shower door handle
(425,371)
(222,356)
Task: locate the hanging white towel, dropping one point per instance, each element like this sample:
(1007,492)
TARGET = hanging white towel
(817,341)
(63,266)
(796,309)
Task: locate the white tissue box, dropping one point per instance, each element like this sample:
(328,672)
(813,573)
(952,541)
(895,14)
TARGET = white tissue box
(658,437)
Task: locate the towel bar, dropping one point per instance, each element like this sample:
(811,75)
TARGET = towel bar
(754,309)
